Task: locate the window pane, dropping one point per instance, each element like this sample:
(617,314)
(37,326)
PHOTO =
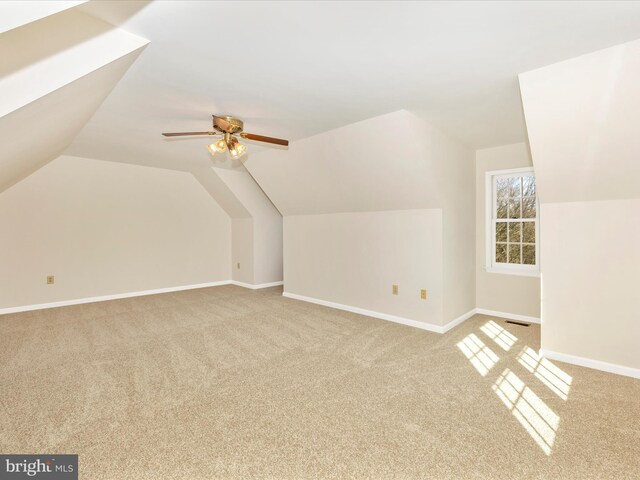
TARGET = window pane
(514,208)
(514,220)
(529,186)
(501,253)
(515,186)
(529,232)
(502,209)
(501,231)
(529,207)
(515,230)
(514,253)
(529,254)
(502,187)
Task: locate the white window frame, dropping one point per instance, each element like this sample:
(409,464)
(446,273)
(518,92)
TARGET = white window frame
(490,230)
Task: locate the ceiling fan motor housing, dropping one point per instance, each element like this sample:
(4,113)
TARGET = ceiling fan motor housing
(227,124)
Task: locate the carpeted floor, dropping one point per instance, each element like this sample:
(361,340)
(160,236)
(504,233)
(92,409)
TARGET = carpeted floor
(231,383)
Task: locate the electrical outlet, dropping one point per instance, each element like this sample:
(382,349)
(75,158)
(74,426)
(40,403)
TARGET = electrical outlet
(238,265)
(394,289)
(50,280)
(423,294)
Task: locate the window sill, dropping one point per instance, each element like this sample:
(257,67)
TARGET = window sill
(513,271)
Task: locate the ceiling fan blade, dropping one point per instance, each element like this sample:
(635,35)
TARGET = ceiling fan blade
(262,138)
(181,134)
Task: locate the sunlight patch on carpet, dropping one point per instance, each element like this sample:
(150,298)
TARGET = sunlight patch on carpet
(533,414)
(480,356)
(498,334)
(558,381)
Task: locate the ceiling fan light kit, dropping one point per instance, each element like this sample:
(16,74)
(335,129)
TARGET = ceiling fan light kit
(219,146)
(229,127)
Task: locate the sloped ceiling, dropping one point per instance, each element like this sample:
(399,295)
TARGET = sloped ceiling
(55,73)
(221,192)
(16,13)
(378,164)
(297,69)
(248,192)
(583,119)
(41,130)
(48,54)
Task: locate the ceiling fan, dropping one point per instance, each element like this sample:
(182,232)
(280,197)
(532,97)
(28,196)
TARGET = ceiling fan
(229,127)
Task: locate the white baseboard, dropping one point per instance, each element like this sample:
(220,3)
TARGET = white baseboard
(383,316)
(561,357)
(510,316)
(459,320)
(256,286)
(104,298)
(594,364)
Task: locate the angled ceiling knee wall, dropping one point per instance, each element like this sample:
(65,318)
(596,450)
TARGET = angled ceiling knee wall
(582,119)
(373,204)
(256,236)
(55,73)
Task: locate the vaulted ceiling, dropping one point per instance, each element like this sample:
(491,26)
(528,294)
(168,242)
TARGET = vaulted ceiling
(343,170)
(296,69)
(289,69)
(53,78)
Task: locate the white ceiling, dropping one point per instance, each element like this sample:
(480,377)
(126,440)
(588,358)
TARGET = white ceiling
(15,13)
(45,55)
(55,72)
(294,69)
(319,175)
(41,130)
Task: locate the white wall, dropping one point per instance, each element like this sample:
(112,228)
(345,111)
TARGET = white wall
(257,244)
(393,163)
(105,228)
(496,291)
(267,249)
(455,167)
(591,279)
(242,250)
(354,259)
(582,121)
(582,118)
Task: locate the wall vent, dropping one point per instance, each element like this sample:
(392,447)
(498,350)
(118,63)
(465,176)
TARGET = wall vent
(517,323)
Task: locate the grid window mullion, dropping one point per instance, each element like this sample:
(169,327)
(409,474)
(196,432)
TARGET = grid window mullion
(513,243)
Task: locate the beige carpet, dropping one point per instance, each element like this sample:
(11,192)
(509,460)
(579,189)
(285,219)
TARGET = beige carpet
(230,383)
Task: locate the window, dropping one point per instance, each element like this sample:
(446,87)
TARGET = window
(512,222)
